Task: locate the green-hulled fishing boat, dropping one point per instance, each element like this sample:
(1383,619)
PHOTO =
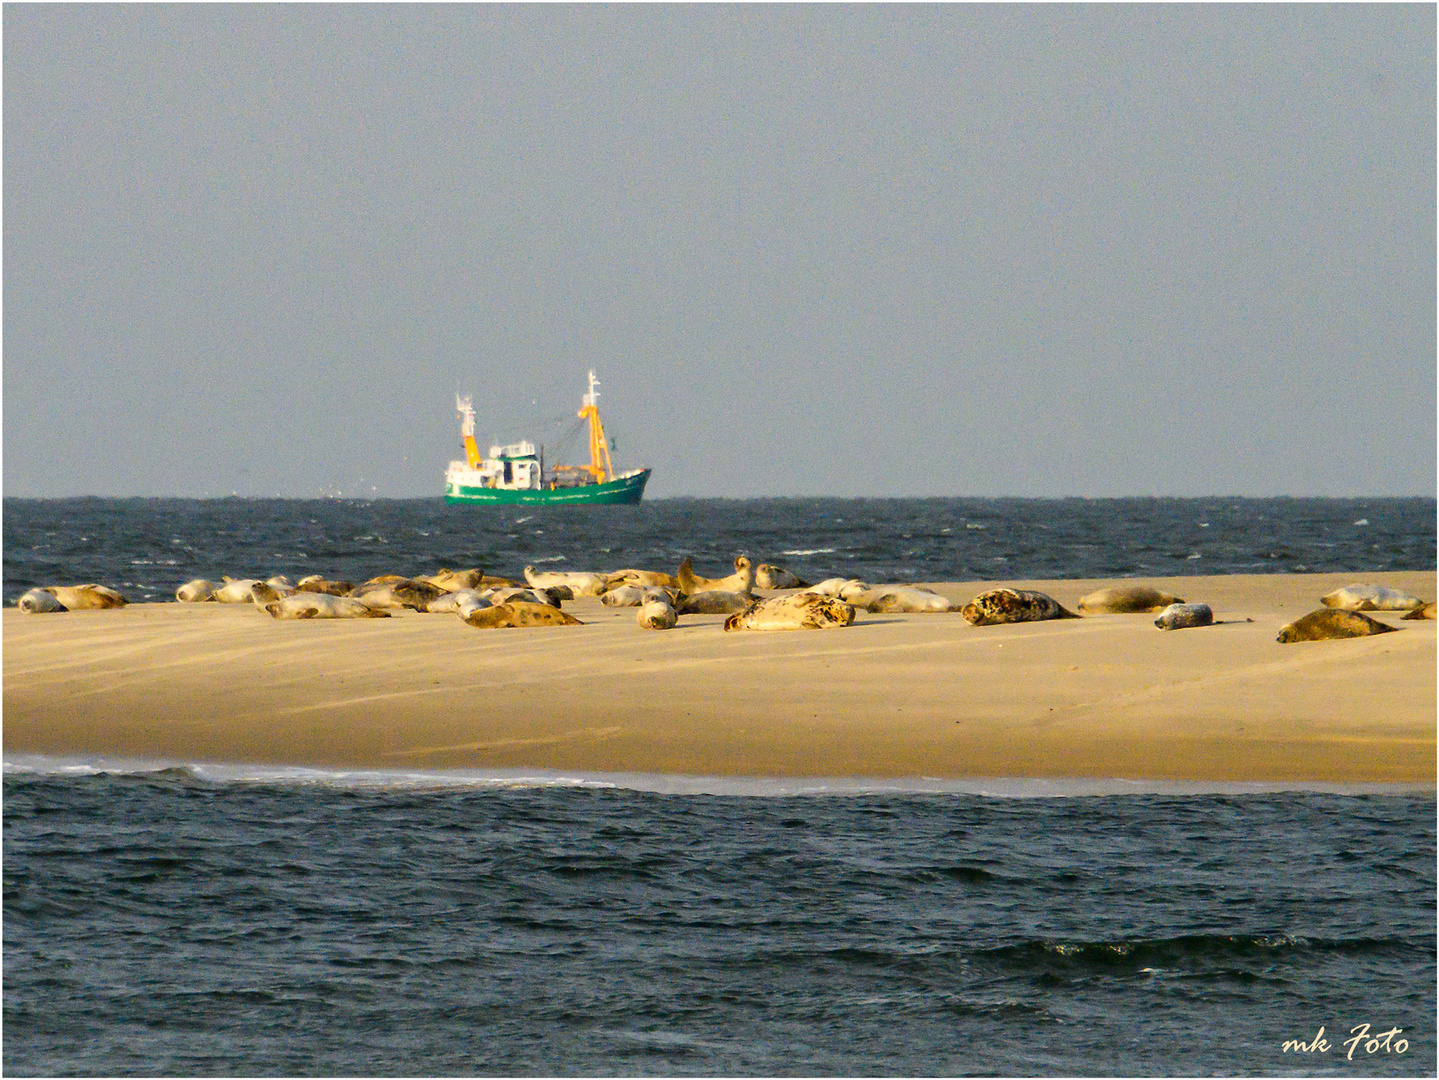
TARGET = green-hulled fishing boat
(517,474)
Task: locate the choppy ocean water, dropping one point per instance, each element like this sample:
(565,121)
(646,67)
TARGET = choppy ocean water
(186,921)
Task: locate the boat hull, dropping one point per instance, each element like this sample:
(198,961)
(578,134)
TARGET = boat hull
(624,490)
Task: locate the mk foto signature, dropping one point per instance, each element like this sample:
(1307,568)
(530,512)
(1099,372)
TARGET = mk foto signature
(1388,1041)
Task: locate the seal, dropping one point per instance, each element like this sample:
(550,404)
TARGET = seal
(264,592)
(623,596)
(713,602)
(454,580)
(1179,616)
(235,590)
(1425,612)
(1327,624)
(1126,600)
(196,592)
(741,581)
(519,613)
(405,593)
(1371,598)
(86,597)
(578,582)
(308,605)
(460,602)
(1011,606)
(835,585)
(797,611)
(39,602)
(550,596)
(907,599)
(657,615)
(777,577)
(317,584)
(642,578)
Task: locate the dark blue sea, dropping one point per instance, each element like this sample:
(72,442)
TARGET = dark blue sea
(181,919)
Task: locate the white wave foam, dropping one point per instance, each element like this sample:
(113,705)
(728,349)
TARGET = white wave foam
(809,551)
(553,558)
(664,784)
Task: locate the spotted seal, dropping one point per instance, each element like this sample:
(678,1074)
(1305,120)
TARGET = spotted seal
(405,593)
(1013,605)
(906,599)
(519,613)
(454,580)
(797,611)
(1370,598)
(317,584)
(1126,600)
(1328,623)
(1179,616)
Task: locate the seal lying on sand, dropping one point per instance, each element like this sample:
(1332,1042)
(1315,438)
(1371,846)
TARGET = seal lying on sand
(777,577)
(460,602)
(1126,600)
(798,611)
(39,602)
(405,593)
(195,592)
(579,583)
(741,581)
(317,584)
(1425,612)
(550,597)
(454,580)
(635,595)
(235,590)
(303,605)
(1182,616)
(713,602)
(85,597)
(1327,624)
(1011,606)
(642,578)
(835,585)
(901,598)
(657,615)
(519,613)
(1371,598)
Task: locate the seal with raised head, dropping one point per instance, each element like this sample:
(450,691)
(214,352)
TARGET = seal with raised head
(196,592)
(1179,616)
(1011,606)
(767,576)
(308,605)
(86,597)
(1371,598)
(1126,600)
(1328,623)
(797,611)
(657,615)
(454,580)
(519,613)
(741,581)
(40,602)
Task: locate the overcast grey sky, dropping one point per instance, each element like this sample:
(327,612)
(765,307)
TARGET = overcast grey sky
(940,250)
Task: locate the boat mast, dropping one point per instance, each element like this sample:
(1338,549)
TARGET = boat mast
(599,466)
(467,429)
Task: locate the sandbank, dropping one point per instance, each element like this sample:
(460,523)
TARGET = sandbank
(1106,696)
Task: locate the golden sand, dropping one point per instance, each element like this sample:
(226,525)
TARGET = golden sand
(1106,696)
